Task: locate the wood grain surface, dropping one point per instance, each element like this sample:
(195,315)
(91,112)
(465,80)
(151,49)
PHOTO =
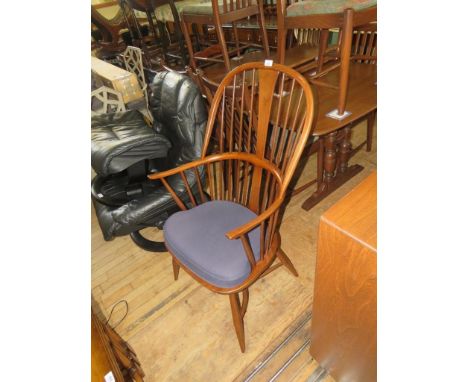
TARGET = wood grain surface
(344,312)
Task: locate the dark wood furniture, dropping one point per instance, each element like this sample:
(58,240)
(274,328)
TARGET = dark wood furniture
(230,12)
(333,136)
(344,311)
(170,51)
(328,58)
(111,356)
(111,43)
(252,167)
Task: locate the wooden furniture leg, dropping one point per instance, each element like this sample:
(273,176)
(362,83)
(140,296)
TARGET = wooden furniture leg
(370,130)
(333,177)
(175,268)
(238,319)
(286,262)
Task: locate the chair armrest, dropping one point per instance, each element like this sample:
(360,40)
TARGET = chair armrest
(253,159)
(236,233)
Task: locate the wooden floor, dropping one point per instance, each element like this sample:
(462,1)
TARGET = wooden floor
(183,332)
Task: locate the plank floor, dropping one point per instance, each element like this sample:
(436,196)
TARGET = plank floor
(183,332)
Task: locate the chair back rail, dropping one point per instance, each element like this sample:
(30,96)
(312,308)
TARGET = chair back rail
(225,12)
(346,22)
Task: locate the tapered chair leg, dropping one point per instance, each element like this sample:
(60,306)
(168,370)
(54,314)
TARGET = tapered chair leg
(175,268)
(238,319)
(286,262)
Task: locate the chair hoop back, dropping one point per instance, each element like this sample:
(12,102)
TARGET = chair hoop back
(249,119)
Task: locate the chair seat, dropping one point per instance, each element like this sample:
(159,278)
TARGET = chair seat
(207,8)
(164,12)
(119,140)
(197,239)
(315,7)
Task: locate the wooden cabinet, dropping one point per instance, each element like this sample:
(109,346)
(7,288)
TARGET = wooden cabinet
(344,310)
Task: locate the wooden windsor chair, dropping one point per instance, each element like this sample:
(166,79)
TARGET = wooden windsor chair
(230,238)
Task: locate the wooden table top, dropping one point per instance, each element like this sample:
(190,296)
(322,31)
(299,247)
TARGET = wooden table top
(362,97)
(362,90)
(356,213)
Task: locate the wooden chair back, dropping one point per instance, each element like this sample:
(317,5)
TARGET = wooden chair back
(328,58)
(262,110)
(225,12)
(109,29)
(364,44)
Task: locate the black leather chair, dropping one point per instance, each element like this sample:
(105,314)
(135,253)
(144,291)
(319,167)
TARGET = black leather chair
(124,149)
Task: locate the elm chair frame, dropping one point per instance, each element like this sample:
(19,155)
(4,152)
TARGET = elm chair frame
(259,146)
(346,21)
(231,11)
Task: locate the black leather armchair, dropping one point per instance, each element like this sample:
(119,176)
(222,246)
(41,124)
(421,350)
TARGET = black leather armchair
(124,150)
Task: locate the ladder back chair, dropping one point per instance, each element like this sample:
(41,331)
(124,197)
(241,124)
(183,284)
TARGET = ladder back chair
(219,13)
(345,15)
(230,238)
(364,51)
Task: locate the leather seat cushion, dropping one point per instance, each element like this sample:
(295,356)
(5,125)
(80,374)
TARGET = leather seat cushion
(119,140)
(197,238)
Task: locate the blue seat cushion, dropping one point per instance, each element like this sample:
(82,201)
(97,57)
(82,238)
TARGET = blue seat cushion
(197,238)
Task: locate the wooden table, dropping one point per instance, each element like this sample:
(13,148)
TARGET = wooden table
(334,136)
(344,311)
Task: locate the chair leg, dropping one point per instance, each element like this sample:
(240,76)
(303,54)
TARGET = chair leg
(175,268)
(370,131)
(237,319)
(286,262)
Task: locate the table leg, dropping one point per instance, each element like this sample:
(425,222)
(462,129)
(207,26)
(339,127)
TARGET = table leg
(345,149)
(336,151)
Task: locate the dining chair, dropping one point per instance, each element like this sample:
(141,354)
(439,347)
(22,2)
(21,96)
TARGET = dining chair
(364,51)
(230,238)
(110,43)
(344,15)
(220,13)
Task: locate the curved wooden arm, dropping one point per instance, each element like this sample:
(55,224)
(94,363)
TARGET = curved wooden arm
(220,157)
(246,227)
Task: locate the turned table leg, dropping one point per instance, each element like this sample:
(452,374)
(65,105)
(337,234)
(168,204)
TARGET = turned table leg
(329,164)
(345,149)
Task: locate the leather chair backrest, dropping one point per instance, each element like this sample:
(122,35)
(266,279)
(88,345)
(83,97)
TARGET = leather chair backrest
(180,114)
